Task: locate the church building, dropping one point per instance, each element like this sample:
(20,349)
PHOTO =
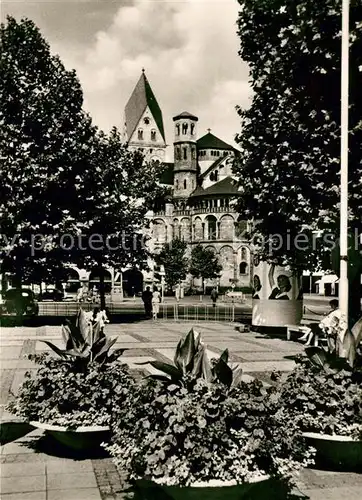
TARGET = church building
(201,206)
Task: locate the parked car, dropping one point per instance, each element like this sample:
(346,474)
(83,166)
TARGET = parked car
(52,294)
(19,302)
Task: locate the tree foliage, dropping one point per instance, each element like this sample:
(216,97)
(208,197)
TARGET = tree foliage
(44,140)
(290,162)
(69,193)
(203,263)
(173,258)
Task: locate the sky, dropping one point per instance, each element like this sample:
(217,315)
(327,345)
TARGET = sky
(189,49)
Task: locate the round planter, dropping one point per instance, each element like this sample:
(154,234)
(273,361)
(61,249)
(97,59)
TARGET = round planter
(81,438)
(264,487)
(339,452)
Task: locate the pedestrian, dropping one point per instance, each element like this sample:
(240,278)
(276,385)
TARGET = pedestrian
(331,325)
(80,294)
(156,299)
(147,301)
(214,295)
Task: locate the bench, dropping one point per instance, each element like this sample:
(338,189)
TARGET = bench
(301,329)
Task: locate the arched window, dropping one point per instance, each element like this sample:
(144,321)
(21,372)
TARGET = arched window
(153,135)
(176,183)
(140,134)
(216,175)
(177,129)
(177,153)
(243,268)
(185,153)
(184,128)
(185,184)
(211,227)
(192,128)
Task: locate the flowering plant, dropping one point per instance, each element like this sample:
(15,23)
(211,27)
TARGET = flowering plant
(182,433)
(324,392)
(77,387)
(325,397)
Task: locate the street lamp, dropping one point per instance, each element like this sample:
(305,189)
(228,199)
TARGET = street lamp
(343,279)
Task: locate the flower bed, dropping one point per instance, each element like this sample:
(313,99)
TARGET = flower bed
(204,423)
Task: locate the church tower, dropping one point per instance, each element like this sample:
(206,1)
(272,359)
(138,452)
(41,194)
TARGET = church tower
(143,122)
(185,155)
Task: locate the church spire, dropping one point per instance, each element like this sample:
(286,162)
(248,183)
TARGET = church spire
(141,98)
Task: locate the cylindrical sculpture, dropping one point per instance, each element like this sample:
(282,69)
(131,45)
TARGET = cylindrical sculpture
(277,296)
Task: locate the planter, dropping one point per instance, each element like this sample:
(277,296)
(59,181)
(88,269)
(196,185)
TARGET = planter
(82,438)
(264,487)
(339,452)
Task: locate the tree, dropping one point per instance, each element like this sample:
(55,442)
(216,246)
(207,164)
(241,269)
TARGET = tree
(68,192)
(172,257)
(204,264)
(118,190)
(45,141)
(290,140)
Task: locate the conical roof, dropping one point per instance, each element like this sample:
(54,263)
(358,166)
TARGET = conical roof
(141,97)
(186,114)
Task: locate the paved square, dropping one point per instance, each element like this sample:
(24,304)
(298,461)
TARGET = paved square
(29,474)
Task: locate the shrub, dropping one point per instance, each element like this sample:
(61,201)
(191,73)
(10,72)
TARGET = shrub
(77,387)
(175,436)
(324,400)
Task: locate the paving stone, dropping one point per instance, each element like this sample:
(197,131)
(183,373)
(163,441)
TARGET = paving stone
(67,481)
(22,484)
(351,493)
(77,480)
(268,366)
(10,352)
(75,494)
(21,469)
(35,495)
(68,466)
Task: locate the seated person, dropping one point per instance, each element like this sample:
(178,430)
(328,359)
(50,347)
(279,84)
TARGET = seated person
(330,325)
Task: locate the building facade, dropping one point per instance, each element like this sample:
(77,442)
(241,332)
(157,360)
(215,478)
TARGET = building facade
(201,206)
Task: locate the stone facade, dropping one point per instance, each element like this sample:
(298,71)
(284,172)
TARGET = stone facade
(200,209)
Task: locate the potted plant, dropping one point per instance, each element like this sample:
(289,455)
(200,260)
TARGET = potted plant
(70,394)
(200,431)
(323,394)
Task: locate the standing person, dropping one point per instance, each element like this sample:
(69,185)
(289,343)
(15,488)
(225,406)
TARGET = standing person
(214,295)
(257,287)
(147,301)
(80,294)
(156,299)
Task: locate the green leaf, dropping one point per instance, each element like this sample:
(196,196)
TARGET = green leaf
(106,347)
(317,356)
(349,347)
(357,332)
(60,352)
(202,367)
(223,373)
(237,376)
(186,350)
(116,354)
(164,367)
(82,324)
(225,356)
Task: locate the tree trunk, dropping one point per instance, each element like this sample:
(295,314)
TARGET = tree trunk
(102,291)
(354,300)
(18,278)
